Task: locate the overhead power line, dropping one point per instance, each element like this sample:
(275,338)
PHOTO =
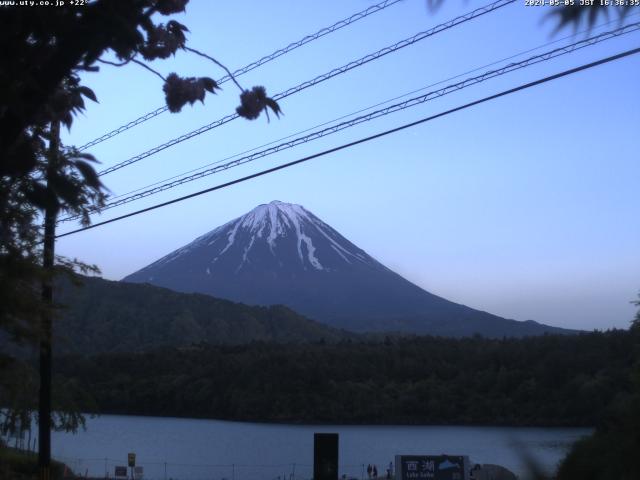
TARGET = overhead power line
(363,140)
(247,68)
(364,109)
(319,79)
(412,102)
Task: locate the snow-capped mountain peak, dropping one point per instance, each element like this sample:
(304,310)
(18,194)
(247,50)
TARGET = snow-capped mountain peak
(281,253)
(270,230)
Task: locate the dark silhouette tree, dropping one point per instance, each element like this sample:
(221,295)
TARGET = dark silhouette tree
(635,323)
(44,52)
(611,452)
(45,49)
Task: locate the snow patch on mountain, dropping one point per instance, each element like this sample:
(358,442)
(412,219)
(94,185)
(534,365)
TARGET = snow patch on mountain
(245,258)
(337,247)
(337,250)
(277,219)
(231,236)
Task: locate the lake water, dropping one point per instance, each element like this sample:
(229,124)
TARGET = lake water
(189,449)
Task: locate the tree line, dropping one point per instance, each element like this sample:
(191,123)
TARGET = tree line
(544,381)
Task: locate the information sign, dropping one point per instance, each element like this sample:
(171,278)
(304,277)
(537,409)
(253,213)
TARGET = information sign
(121,472)
(432,467)
(138,473)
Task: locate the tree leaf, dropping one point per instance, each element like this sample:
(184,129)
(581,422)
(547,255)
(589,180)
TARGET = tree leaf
(85,156)
(209,84)
(90,175)
(37,194)
(273,105)
(87,92)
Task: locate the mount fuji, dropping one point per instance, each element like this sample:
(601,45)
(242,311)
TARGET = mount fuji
(281,253)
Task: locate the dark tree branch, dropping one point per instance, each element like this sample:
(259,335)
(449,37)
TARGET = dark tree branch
(142,64)
(115,64)
(197,52)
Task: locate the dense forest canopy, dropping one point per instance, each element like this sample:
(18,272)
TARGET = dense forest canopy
(548,380)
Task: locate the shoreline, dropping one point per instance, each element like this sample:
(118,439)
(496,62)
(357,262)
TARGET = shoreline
(341,424)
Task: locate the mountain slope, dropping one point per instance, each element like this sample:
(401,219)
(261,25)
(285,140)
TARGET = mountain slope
(106,316)
(281,253)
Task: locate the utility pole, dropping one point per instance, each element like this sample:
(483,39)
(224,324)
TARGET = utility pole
(44,405)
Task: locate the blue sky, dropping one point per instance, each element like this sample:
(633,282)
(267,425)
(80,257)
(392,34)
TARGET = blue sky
(525,207)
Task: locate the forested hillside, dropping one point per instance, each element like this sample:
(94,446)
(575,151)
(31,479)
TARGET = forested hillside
(548,380)
(105,316)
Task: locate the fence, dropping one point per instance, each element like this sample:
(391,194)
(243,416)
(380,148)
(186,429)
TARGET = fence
(158,470)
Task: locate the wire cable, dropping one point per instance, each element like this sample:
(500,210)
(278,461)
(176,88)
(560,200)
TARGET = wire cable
(362,140)
(247,68)
(412,102)
(319,79)
(361,110)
